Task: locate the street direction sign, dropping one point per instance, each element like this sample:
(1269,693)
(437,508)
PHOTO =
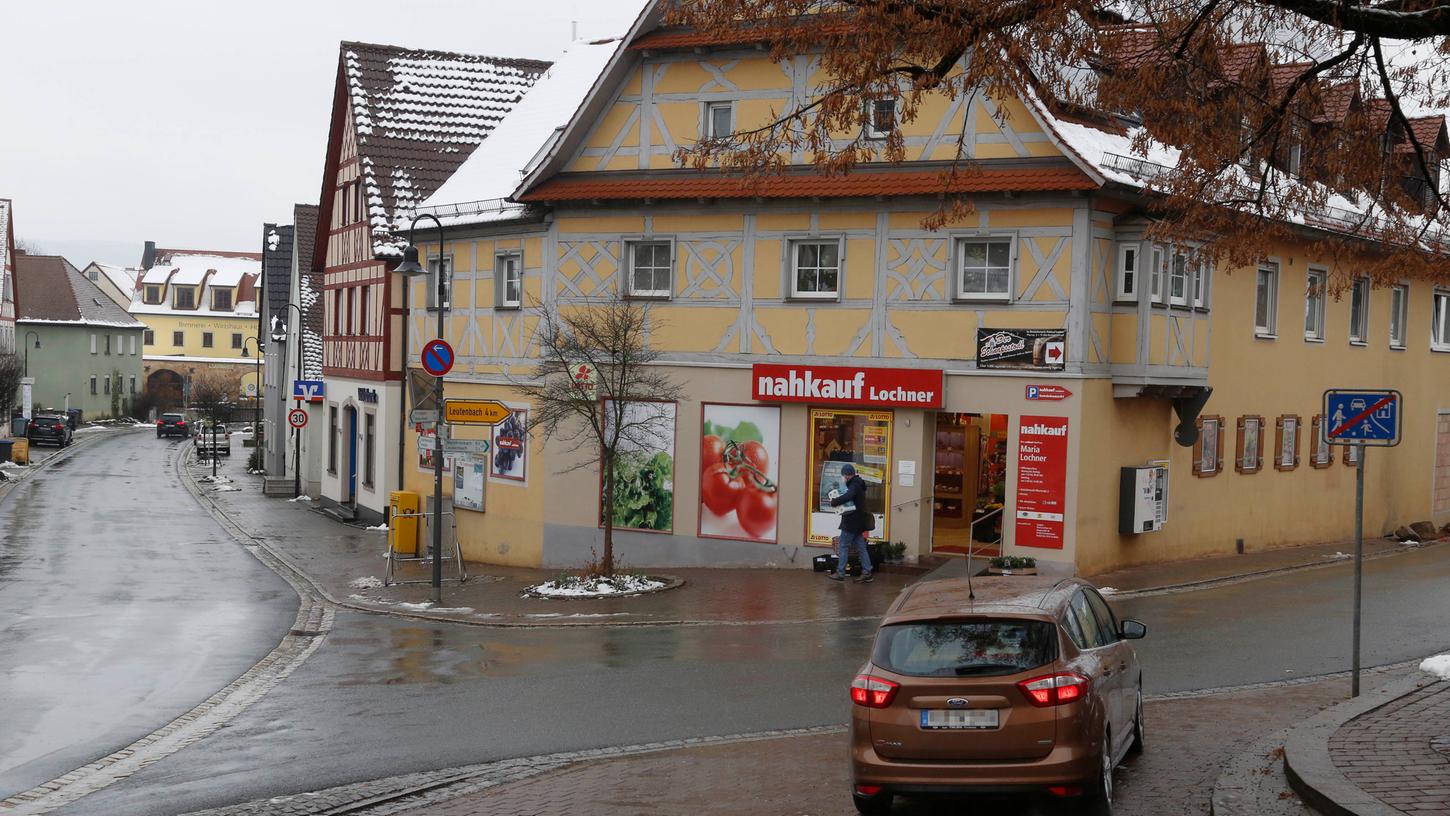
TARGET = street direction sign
(419,416)
(297,418)
(427,443)
(474,411)
(1362,416)
(437,357)
(465,446)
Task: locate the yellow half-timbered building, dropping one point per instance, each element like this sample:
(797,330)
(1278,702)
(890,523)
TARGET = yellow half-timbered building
(990,379)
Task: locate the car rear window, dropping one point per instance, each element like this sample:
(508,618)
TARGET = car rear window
(171,417)
(966,648)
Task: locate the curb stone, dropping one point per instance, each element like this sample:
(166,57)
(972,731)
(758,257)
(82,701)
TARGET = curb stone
(1311,770)
(1251,783)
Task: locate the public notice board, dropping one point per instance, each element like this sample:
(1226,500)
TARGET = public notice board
(1041,481)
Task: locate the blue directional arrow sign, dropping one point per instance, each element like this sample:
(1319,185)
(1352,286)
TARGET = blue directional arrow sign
(1362,417)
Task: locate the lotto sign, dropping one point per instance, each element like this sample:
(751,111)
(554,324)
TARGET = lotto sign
(297,418)
(1362,417)
(437,357)
(1041,481)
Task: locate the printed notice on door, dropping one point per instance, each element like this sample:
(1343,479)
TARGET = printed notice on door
(1041,481)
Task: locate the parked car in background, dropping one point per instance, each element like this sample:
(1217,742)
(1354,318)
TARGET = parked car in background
(52,429)
(172,425)
(1009,684)
(208,443)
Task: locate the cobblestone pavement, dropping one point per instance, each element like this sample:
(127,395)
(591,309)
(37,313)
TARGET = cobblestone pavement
(1400,752)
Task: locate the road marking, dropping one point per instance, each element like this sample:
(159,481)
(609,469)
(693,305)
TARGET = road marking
(314,621)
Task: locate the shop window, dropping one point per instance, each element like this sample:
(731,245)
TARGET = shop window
(862,438)
(1321,457)
(880,118)
(1127,272)
(1249,454)
(1286,442)
(1399,316)
(184,297)
(719,120)
(1314,295)
(1266,300)
(508,276)
(1359,311)
(969,481)
(984,269)
(1440,322)
(815,269)
(650,267)
(432,282)
(221,300)
(1208,450)
(644,464)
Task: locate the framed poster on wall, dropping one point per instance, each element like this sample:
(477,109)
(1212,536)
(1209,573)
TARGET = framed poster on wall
(839,436)
(509,458)
(644,472)
(739,472)
(469,482)
(1041,481)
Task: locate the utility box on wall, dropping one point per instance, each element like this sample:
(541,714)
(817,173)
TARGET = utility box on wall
(1142,499)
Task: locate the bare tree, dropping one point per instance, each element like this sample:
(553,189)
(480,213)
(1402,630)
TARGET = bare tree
(10,371)
(1273,113)
(609,419)
(213,393)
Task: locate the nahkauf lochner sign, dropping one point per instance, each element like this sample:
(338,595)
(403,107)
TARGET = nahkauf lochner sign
(847,385)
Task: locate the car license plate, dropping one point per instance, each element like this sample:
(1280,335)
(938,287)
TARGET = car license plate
(959,718)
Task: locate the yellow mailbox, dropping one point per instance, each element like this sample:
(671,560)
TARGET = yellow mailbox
(403,532)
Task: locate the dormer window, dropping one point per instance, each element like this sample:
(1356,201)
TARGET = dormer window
(184,297)
(880,118)
(221,300)
(152,294)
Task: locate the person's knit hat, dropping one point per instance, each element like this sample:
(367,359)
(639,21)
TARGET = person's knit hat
(848,470)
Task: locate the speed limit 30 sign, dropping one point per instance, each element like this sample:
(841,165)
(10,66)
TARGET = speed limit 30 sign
(297,418)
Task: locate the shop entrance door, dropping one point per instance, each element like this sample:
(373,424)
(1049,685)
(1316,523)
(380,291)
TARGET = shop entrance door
(969,483)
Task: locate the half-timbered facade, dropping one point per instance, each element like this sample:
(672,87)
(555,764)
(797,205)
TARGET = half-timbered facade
(403,120)
(7,278)
(992,377)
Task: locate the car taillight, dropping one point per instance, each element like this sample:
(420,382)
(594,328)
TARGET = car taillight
(873,692)
(159,423)
(32,426)
(181,423)
(1054,689)
(57,427)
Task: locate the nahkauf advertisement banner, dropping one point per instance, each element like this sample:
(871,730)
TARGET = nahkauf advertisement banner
(1041,481)
(1035,349)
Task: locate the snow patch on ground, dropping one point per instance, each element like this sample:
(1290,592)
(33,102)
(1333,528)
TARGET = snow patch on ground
(226,489)
(301,499)
(1439,665)
(595,586)
(576,615)
(214,480)
(1107,590)
(1337,556)
(366,582)
(424,606)
(12,466)
(256,472)
(382,527)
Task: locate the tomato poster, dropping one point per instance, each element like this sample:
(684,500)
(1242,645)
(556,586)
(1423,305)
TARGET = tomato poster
(1041,481)
(739,453)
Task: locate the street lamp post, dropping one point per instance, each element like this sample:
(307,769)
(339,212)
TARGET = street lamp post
(296,432)
(410,267)
(28,386)
(257,368)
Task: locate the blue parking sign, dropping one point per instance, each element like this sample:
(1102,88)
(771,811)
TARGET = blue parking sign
(1362,417)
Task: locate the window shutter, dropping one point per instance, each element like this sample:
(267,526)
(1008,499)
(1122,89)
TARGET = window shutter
(1259,452)
(1239,446)
(1218,446)
(1298,432)
(1198,449)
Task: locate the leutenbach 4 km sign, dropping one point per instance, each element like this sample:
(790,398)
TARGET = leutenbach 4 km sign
(1361,417)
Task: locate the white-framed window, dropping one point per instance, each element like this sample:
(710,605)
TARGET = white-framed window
(1399,315)
(1359,311)
(1155,277)
(815,269)
(433,283)
(508,275)
(880,118)
(719,120)
(1178,279)
(94,384)
(984,268)
(93,344)
(1314,294)
(132,344)
(1198,270)
(1440,322)
(650,268)
(1128,271)
(1266,300)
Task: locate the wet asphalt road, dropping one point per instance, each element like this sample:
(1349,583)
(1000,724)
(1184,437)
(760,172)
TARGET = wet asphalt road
(121,607)
(385,696)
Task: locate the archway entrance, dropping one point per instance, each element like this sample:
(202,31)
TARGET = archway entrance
(164,386)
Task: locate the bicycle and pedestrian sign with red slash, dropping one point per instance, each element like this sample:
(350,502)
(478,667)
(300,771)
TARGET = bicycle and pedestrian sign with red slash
(1362,417)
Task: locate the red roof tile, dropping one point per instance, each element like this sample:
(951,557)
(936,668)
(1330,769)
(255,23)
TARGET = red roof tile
(1427,130)
(858,184)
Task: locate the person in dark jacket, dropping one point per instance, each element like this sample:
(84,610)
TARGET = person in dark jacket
(855,524)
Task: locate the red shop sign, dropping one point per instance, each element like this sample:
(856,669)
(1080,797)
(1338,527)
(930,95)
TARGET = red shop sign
(1041,481)
(847,385)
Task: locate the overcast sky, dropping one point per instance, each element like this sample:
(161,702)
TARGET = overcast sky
(192,123)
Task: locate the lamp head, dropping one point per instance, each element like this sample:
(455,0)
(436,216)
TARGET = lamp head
(410,265)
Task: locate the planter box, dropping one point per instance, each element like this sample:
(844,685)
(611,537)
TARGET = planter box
(1018,571)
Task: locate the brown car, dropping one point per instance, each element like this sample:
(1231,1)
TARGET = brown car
(1016,685)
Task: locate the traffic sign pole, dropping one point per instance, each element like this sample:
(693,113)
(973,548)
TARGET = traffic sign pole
(1358,560)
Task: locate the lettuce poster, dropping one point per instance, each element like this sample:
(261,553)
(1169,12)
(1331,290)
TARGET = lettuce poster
(644,471)
(739,453)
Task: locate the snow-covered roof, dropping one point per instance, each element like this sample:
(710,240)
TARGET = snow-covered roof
(497,167)
(417,115)
(192,269)
(5,247)
(123,278)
